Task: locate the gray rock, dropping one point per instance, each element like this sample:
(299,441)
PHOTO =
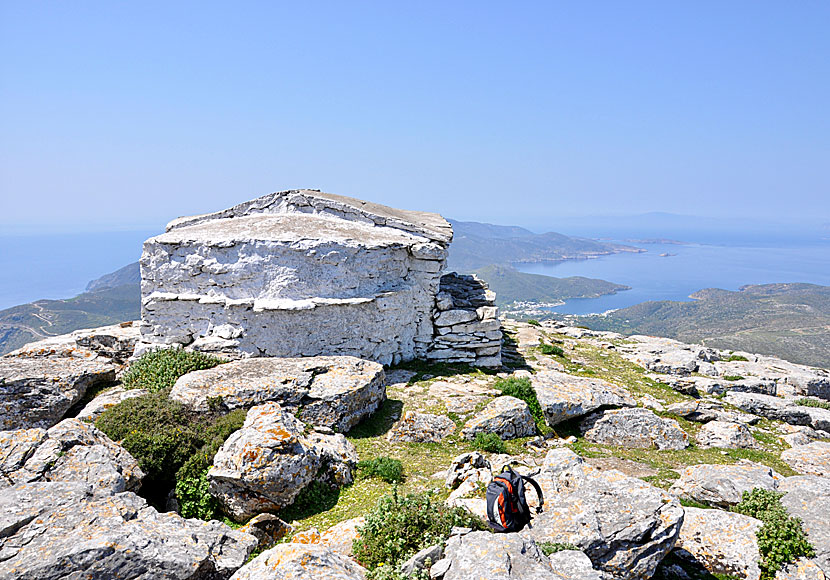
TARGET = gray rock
(723,485)
(268,529)
(563,396)
(801,569)
(708,410)
(416,427)
(336,453)
(467,465)
(507,417)
(107,400)
(810,459)
(575,565)
(636,428)
(264,465)
(71,451)
(334,391)
(57,530)
(423,559)
(781,409)
(623,524)
(722,542)
(727,435)
(808,498)
(300,562)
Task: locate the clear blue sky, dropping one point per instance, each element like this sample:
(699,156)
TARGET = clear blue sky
(127,114)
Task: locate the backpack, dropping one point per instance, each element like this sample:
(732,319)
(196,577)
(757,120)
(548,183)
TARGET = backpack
(507,509)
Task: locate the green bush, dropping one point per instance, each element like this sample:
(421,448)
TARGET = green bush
(546,348)
(736,358)
(732,377)
(523,389)
(781,539)
(812,403)
(533,322)
(549,548)
(159,369)
(385,468)
(489,442)
(399,527)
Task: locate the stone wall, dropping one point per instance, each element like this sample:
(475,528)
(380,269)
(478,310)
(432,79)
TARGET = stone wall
(305,273)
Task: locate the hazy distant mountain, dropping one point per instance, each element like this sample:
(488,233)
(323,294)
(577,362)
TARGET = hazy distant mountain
(129,274)
(791,321)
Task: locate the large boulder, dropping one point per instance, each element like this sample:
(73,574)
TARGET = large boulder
(57,530)
(636,428)
(507,417)
(486,556)
(722,542)
(808,497)
(300,562)
(563,396)
(264,465)
(723,485)
(71,451)
(810,459)
(623,524)
(331,391)
(416,427)
(107,400)
(725,434)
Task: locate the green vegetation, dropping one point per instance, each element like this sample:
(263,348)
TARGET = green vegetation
(398,527)
(736,358)
(489,442)
(549,548)
(550,349)
(533,322)
(732,377)
(781,539)
(317,497)
(159,369)
(522,388)
(813,403)
(385,468)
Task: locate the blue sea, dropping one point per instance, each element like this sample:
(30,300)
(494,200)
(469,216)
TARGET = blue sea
(690,267)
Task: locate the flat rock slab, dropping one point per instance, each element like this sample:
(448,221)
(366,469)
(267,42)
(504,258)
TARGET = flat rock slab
(460,397)
(107,400)
(810,459)
(564,396)
(38,391)
(808,497)
(300,562)
(507,417)
(801,569)
(722,542)
(71,451)
(726,435)
(723,485)
(416,427)
(57,530)
(623,524)
(331,391)
(634,428)
(115,342)
(782,409)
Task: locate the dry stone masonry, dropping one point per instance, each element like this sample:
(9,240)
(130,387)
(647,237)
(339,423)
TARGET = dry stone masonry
(306,273)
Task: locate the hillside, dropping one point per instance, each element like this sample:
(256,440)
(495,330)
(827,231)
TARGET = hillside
(44,318)
(511,285)
(790,321)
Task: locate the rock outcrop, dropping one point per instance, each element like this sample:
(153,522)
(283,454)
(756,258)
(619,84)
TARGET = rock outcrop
(637,428)
(507,417)
(810,459)
(563,396)
(808,498)
(300,562)
(723,485)
(726,434)
(331,391)
(416,427)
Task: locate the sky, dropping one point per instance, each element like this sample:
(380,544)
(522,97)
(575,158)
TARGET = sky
(119,115)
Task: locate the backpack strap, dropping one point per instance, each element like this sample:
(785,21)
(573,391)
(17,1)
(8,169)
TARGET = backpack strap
(538,489)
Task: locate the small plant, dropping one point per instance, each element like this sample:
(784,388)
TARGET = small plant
(737,358)
(781,539)
(522,388)
(385,468)
(400,526)
(533,322)
(159,369)
(549,548)
(732,377)
(489,442)
(545,348)
(812,403)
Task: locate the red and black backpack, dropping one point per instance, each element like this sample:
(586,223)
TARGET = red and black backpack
(507,509)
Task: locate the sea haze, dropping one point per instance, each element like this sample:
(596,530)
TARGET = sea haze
(692,267)
(60,265)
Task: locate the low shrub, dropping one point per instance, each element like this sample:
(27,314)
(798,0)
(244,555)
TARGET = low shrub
(781,539)
(736,358)
(398,527)
(549,548)
(489,442)
(159,369)
(533,322)
(522,388)
(385,468)
(546,348)
(732,377)
(813,403)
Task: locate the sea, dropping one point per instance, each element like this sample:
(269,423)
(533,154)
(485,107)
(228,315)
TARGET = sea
(33,267)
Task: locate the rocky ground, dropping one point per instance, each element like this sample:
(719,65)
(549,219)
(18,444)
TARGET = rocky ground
(641,446)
